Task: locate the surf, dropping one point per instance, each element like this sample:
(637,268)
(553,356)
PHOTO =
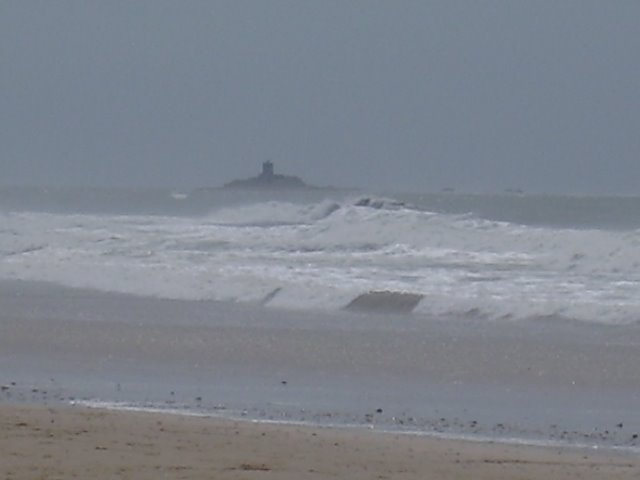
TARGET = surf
(335,254)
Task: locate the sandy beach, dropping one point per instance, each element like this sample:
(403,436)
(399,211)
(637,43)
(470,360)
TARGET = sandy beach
(60,347)
(70,442)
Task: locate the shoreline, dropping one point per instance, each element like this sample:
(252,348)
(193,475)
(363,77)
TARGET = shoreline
(536,383)
(100,443)
(372,428)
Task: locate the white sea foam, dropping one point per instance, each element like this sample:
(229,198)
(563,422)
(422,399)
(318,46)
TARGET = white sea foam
(325,254)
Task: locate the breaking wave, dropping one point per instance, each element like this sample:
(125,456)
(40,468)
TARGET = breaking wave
(366,253)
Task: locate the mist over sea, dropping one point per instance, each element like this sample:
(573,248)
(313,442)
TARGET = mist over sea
(485,257)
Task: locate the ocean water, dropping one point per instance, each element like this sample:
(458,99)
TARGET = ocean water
(485,257)
(508,317)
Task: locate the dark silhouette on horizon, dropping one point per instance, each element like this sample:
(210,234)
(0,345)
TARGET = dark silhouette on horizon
(268,179)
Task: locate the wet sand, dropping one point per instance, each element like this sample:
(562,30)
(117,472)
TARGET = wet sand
(537,381)
(41,442)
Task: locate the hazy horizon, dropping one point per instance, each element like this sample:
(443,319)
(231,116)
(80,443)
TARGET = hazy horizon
(407,96)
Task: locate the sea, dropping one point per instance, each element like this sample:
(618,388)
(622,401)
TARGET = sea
(487,257)
(509,317)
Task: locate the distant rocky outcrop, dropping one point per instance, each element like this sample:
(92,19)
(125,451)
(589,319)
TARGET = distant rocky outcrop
(268,179)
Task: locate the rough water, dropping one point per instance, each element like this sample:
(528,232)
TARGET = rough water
(478,316)
(484,256)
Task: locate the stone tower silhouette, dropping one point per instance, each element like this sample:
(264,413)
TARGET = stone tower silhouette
(267,170)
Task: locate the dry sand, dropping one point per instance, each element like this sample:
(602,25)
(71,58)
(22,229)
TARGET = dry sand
(56,443)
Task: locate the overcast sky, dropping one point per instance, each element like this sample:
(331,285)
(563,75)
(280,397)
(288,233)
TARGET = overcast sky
(399,95)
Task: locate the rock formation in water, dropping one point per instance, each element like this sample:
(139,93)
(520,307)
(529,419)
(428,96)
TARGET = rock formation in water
(268,179)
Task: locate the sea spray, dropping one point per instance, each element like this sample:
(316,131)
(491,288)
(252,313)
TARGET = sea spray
(324,254)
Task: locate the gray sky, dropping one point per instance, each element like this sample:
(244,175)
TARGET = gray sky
(401,95)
